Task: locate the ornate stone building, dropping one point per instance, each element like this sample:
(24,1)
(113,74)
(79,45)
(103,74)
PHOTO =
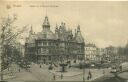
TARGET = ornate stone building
(59,46)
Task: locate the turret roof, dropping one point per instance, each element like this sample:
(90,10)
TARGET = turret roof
(46,32)
(46,22)
(79,38)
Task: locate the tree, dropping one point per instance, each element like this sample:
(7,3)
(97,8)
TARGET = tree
(8,37)
(120,51)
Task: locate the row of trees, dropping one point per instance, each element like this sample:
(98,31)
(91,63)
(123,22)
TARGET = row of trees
(13,54)
(9,36)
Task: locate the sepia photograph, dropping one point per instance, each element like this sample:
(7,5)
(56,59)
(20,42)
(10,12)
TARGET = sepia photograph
(63,41)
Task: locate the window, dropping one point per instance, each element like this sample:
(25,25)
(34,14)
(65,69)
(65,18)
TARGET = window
(39,50)
(44,43)
(49,57)
(45,36)
(39,44)
(50,43)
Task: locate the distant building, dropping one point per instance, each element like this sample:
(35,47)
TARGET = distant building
(102,53)
(111,53)
(59,46)
(91,52)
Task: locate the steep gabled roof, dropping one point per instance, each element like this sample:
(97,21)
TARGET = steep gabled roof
(46,34)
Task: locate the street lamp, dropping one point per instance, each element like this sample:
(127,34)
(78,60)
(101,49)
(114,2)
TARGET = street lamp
(84,70)
(63,65)
(84,66)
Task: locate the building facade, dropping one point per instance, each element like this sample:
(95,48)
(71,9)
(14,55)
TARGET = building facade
(59,46)
(111,53)
(91,52)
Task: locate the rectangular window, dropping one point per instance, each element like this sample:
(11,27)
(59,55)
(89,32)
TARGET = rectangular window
(44,43)
(39,44)
(49,57)
(49,43)
(39,51)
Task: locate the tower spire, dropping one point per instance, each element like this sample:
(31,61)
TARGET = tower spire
(46,24)
(78,28)
(79,37)
(31,30)
(56,25)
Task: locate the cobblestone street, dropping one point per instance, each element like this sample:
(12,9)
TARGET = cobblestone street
(43,74)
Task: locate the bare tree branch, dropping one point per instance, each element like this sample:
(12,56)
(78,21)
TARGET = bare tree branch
(7,26)
(14,36)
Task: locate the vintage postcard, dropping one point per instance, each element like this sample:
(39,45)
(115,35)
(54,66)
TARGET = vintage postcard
(63,41)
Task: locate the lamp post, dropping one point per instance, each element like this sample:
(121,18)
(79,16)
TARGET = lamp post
(84,65)
(83,69)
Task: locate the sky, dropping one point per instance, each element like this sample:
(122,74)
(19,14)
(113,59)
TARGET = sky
(102,22)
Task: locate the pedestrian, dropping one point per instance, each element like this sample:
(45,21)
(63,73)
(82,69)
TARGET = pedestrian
(90,74)
(54,77)
(40,66)
(88,77)
(11,73)
(8,68)
(61,76)
(103,72)
(19,69)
